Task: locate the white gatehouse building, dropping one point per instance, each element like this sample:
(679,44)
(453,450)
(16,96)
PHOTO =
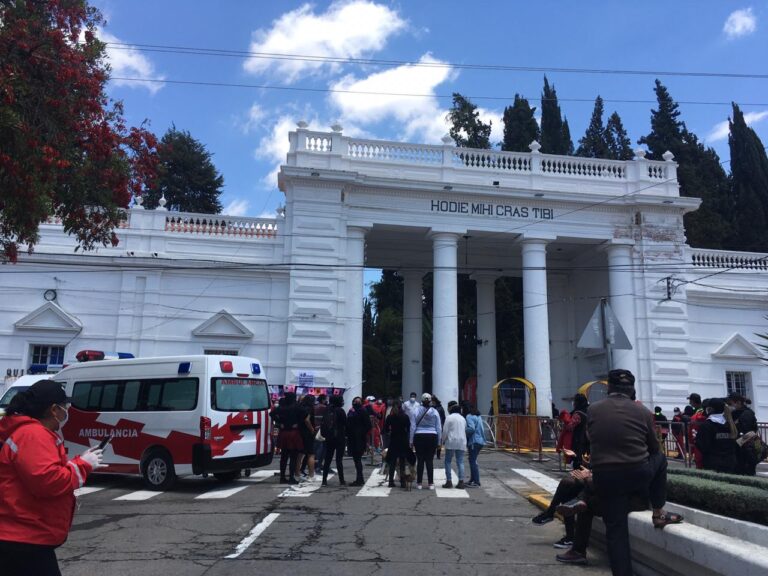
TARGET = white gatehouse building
(290,290)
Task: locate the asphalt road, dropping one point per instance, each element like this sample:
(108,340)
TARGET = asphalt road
(121,530)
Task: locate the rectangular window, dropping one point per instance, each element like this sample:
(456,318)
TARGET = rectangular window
(45,354)
(214,352)
(234,394)
(151,395)
(739,382)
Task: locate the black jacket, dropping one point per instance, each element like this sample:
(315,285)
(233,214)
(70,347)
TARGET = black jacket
(717,447)
(358,425)
(399,428)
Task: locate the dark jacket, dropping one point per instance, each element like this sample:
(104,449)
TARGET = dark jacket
(745,420)
(398,427)
(717,447)
(621,433)
(334,425)
(358,425)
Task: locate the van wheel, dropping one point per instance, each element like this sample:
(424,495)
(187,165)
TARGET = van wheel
(157,470)
(227,476)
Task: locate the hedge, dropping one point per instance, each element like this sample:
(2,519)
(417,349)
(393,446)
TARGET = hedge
(748,503)
(754,481)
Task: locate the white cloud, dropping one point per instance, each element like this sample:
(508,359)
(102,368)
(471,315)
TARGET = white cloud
(720,130)
(740,23)
(382,98)
(252,120)
(348,29)
(128,62)
(238,207)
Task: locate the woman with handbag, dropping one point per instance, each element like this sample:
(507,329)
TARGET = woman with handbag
(426,434)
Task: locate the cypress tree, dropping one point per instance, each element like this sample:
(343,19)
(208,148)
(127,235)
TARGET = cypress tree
(555,134)
(594,143)
(619,144)
(749,173)
(520,127)
(467,130)
(699,173)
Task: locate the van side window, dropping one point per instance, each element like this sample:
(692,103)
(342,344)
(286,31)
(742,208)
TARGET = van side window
(171,394)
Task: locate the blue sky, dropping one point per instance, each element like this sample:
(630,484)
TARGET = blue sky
(246,129)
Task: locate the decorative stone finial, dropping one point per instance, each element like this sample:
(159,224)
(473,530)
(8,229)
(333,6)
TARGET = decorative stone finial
(162,202)
(137,202)
(668,156)
(534,147)
(302,124)
(447,140)
(639,154)
(337,127)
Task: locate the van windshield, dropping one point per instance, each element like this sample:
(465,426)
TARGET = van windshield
(9,394)
(234,394)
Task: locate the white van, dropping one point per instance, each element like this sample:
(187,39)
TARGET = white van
(21,384)
(172,416)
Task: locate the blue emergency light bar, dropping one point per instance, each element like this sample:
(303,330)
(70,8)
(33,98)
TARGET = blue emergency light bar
(185,367)
(255,368)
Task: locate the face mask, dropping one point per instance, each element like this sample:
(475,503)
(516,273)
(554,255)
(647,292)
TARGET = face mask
(66,417)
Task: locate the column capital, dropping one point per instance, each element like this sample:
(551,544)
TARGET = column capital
(618,245)
(411,274)
(536,238)
(355,231)
(439,235)
(484,277)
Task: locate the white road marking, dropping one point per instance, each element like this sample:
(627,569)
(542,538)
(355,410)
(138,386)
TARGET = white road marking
(375,486)
(88,490)
(496,488)
(547,483)
(253,534)
(303,490)
(259,476)
(220,493)
(440,478)
(138,495)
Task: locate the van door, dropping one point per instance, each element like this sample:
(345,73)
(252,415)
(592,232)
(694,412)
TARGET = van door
(240,425)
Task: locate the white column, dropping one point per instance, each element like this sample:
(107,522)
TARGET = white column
(354,313)
(536,322)
(486,335)
(622,300)
(445,334)
(412,322)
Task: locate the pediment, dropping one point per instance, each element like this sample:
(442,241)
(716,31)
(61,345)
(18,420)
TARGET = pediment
(49,317)
(222,325)
(738,347)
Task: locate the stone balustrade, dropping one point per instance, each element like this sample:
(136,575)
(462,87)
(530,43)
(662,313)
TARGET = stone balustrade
(221,226)
(726,260)
(447,163)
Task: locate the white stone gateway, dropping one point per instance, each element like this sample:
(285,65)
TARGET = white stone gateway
(290,290)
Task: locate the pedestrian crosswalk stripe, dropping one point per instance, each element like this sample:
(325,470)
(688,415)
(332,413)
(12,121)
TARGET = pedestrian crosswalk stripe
(220,493)
(303,490)
(88,490)
(375,486)
(254,533)
(440,478)
(547,483)
(139,495)
(258,476)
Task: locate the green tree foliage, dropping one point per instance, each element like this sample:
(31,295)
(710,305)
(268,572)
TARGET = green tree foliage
(555,133)
(520,126)
(186,177)
(594,143)
(619,144)
(467,130)
(383,336)
(749,173)
(65,149)
(699,173)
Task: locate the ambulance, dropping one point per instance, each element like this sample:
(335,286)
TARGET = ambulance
(169,417)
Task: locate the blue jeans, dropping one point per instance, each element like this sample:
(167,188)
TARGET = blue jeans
(474,470)
(449,454)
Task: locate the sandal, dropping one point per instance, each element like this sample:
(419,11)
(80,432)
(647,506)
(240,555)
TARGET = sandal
(666,518)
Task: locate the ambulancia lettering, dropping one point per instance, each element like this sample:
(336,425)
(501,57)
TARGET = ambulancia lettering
(103,432)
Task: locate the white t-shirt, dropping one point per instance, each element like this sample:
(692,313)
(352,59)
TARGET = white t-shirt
(455,432)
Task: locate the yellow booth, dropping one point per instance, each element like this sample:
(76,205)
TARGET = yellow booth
(592,392)
(514,406)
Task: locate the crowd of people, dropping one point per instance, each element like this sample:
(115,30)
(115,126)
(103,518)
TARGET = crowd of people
(411,434)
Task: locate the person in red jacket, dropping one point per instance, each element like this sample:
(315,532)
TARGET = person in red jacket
(37,482)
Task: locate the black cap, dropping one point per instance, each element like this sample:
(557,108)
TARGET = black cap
(694,398)
(47,392)
(621,378)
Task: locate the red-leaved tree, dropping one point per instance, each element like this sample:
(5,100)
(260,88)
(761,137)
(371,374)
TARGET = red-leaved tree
(65,149)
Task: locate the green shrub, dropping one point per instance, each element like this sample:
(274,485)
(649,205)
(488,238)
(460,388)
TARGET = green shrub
(718,477)
(731,500)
